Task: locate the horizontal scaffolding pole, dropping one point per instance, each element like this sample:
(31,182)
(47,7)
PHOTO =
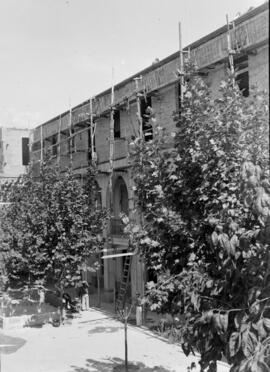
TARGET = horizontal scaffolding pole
(118,255)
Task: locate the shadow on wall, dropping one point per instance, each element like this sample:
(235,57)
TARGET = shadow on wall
(115,364)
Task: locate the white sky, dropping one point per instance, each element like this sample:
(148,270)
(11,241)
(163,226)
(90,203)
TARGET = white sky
(53,52)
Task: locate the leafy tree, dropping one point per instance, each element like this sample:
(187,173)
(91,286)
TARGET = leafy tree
(51,227)
(206,230)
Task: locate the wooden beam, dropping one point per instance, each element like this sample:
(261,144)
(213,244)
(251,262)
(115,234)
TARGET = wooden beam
(118,255)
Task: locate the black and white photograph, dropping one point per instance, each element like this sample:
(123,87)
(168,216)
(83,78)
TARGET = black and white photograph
(134,186)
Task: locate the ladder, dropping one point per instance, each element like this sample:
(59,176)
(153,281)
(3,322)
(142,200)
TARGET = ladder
(121,298)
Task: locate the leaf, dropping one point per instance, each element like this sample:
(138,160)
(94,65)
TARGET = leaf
(234,343)
(186,348)
(266,324)
(224,321)
(239,319)
(249,342)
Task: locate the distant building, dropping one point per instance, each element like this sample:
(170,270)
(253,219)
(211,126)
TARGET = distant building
(14,153)
(68,138)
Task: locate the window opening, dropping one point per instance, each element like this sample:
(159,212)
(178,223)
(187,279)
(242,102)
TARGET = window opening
(71,142)
(25,151)
(117,129)
(242,75)
(54,145)
(146,113)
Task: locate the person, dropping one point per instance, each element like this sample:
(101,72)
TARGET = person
(138,304)
(84,295)
(67,301)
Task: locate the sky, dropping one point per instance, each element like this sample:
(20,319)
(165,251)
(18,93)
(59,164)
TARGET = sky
(57,53)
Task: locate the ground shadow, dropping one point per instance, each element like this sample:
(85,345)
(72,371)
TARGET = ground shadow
(104,329)
(9,344)
(107,365)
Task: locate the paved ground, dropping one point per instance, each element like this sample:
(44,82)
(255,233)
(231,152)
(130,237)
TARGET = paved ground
(94,342)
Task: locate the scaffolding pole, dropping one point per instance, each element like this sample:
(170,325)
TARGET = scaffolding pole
(138,103)
(70,139)
(41,144)
(111,155)
(181,64)
(92,132)
(231,52)
(59,141)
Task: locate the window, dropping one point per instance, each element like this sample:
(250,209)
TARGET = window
(89,144)
(36,146)
(117,129)
(54,145)
(71,142)
(241,74)
(146,113)
(25,151)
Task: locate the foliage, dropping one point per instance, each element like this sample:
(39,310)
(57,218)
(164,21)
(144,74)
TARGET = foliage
(206,228)
(52,226)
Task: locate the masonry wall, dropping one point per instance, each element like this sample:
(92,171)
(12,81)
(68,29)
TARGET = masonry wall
(259,68)
(11,149)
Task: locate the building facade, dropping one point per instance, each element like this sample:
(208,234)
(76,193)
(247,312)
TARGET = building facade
(14,153)
(68,136)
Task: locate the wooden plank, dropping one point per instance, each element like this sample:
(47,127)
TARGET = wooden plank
(118,255)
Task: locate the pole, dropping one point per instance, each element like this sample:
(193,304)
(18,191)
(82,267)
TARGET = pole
(139,114)
(126,345)
(41,144)
(230,51)
(93,161)
(181,64)
(92,130)
(59,140)
(70,138)
(111,154)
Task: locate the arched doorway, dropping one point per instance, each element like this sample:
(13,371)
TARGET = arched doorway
(120,205)
(120,197)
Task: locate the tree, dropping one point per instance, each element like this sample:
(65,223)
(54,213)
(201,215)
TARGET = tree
(206,231)
(52,226)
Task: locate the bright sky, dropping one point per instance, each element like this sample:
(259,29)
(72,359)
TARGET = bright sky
(54,53)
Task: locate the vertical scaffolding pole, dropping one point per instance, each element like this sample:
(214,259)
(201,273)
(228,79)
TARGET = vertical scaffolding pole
(139,114)
(70,139)
(93,162)
(181,64)
(92,131)
(59,140)
(230,50)
(41,144)
(111,155)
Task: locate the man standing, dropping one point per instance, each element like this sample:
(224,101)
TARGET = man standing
(84,295)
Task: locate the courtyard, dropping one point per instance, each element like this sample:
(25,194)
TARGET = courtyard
(92,342)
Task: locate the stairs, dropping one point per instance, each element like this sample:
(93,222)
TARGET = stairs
(122,294)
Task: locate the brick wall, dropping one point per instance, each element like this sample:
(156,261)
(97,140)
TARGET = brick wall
(164,105)
(259,68)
